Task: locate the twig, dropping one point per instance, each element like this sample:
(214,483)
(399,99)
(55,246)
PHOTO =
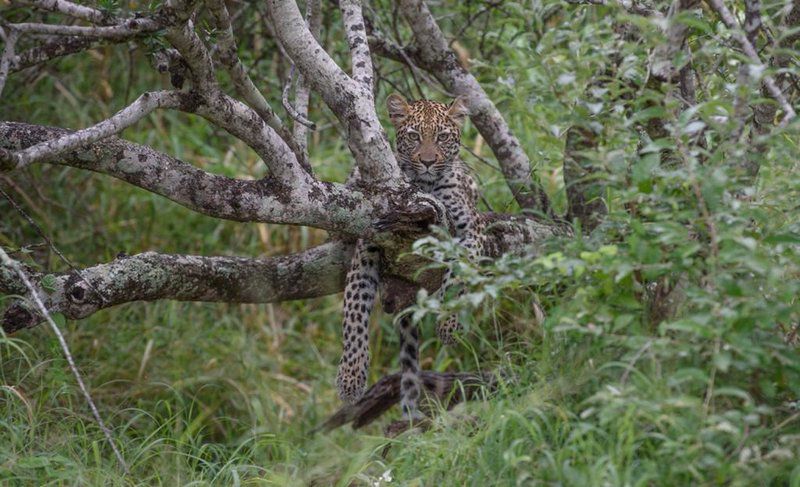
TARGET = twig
(481,159)
(52,246)
(287,105)
(7,261)
(302,95)
(730,21)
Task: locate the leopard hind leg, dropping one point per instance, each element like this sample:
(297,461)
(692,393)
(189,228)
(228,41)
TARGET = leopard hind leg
(361,288)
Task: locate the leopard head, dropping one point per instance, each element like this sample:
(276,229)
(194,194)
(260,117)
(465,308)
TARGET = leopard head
(428,135)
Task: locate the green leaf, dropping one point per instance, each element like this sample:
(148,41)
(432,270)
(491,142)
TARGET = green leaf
(49,283)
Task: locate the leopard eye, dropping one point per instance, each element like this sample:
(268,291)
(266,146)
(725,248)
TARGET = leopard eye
(442,137)
(413,136)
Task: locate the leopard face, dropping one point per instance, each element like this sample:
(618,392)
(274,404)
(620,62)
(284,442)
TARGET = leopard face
(428,136)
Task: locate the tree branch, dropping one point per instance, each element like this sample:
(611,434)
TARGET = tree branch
(349,100)
(127,29)
(123,119)
(59,47)
(730,21)
(245,88)
(151,276)
(433,54)
(302,92)
(353,19)
(329,206)
(70,9)
(662,63)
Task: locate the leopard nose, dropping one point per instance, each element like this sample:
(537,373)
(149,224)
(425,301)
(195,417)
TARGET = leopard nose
(427,160)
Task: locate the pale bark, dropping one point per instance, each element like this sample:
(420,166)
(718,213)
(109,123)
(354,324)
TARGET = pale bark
(151,276)
(350,101)
(433,53)
(329,206)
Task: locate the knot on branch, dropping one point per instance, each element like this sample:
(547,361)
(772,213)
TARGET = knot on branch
(79,292)
(17,317)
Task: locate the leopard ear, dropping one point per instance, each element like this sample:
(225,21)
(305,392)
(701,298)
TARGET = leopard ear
(458,110)
(398,108)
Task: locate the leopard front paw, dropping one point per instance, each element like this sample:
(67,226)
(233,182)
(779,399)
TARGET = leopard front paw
(439,212)
(446,331)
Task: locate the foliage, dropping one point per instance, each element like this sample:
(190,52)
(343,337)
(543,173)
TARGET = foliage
(668,354)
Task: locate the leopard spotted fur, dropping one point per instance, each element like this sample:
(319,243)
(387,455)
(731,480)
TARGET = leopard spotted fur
(428,139)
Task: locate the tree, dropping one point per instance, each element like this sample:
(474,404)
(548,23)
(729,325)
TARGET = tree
(291,194)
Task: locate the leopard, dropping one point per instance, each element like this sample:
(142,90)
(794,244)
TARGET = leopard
(427,146)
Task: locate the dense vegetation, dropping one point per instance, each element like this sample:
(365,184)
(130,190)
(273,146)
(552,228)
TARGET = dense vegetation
(668,349)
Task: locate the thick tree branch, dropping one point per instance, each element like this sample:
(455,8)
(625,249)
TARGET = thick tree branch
(354,27)
(313,273)
(433,54)
(247,125)
(245,88)
(7,57)
(350,101)
(329,206)
(194,53)
(54,49)
(151,276)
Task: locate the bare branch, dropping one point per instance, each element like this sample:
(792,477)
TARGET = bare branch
(244,123)
(329,206)
(764,113)
(730,21)
(433,54)
(228,56)
(350,101)
(752,20)
(151,276)
(117,123)
(62,46)
(125,30)
(662,63)
(356,32)
(298,117)
(185,40)
(71,9)
(302,93)
(584,194)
